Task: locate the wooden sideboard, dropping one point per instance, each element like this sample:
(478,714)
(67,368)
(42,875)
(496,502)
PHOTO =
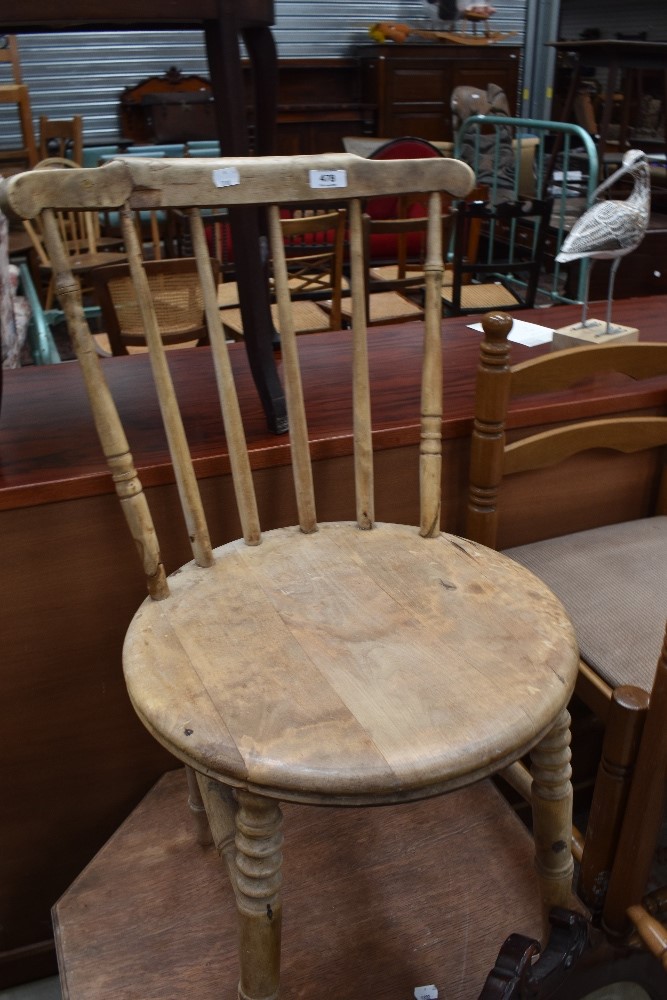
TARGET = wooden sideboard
(75,760)
(410,85)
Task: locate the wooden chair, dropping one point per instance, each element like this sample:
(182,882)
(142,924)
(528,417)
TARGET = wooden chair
(347,662)
(607,577)
(177,300)
(618,878)
(394,290)
(506,274)
(61,137)
(81,235)
(16,92)
(314,248)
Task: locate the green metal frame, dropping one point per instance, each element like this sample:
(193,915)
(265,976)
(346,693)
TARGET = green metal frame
(567,138)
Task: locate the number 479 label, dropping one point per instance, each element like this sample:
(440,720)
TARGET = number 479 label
(426,993)
(328,178)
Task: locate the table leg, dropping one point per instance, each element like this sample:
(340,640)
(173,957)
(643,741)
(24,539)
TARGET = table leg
(222,45)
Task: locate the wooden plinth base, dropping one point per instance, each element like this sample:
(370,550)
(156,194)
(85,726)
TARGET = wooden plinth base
(595,332)
(375,902)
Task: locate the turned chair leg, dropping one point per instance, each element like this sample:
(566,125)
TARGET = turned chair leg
(552,816)
(257,878)
(197,809)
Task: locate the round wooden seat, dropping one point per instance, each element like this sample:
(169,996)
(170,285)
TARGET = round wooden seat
(351,665)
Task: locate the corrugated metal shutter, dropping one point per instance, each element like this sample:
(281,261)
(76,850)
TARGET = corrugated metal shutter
(84,73)
(614,16)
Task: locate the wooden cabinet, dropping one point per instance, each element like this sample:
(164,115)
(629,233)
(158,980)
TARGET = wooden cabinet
(318,104)
(410,85)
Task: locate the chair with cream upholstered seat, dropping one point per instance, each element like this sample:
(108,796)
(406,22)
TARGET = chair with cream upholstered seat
(349,662)
(610,577)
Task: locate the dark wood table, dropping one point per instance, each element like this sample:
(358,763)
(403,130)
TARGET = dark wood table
(75,759)
(614,55)
(223,22)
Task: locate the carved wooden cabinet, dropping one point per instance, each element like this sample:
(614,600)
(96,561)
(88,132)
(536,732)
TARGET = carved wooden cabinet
(410,85)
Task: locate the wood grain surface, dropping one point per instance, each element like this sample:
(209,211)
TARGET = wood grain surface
(388,900)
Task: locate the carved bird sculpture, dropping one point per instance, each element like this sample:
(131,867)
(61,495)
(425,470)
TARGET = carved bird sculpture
(610,229)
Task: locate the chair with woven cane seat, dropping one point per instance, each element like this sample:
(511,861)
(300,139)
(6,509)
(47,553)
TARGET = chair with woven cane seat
(505,272)
(610,578)
(394,291)
(314,247)
(349,662)
(177,300)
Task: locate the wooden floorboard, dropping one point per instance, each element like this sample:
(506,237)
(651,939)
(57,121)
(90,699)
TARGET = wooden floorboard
(376,902)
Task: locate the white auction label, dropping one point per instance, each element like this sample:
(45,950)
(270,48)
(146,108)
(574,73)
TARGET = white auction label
(224,177)
(426,993)
(328,178)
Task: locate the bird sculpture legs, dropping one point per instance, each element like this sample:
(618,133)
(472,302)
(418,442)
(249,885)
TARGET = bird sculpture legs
(610,292)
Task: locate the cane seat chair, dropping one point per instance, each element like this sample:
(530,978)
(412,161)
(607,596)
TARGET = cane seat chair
(314,250)
(505,271)
(610,578)
(342,663)
(177,300)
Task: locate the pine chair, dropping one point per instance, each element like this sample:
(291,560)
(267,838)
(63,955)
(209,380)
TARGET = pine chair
(177,300)
(609,578)
(618,879)
(342,663)
(81,235)
(16,92)
(61,137)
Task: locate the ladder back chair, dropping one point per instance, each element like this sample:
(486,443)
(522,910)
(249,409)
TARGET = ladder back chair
(621,877)
(610,578)
(61,137)
(351,662)
(314,251)
(504,273)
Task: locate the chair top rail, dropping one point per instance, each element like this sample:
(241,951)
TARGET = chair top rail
(178,183)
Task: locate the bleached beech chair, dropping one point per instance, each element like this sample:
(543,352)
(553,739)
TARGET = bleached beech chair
(346,663)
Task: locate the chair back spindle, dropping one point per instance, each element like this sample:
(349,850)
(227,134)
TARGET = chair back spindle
(430,470)
(244,489)
(298,430)
(361,404)
(186,480)
(107,421)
